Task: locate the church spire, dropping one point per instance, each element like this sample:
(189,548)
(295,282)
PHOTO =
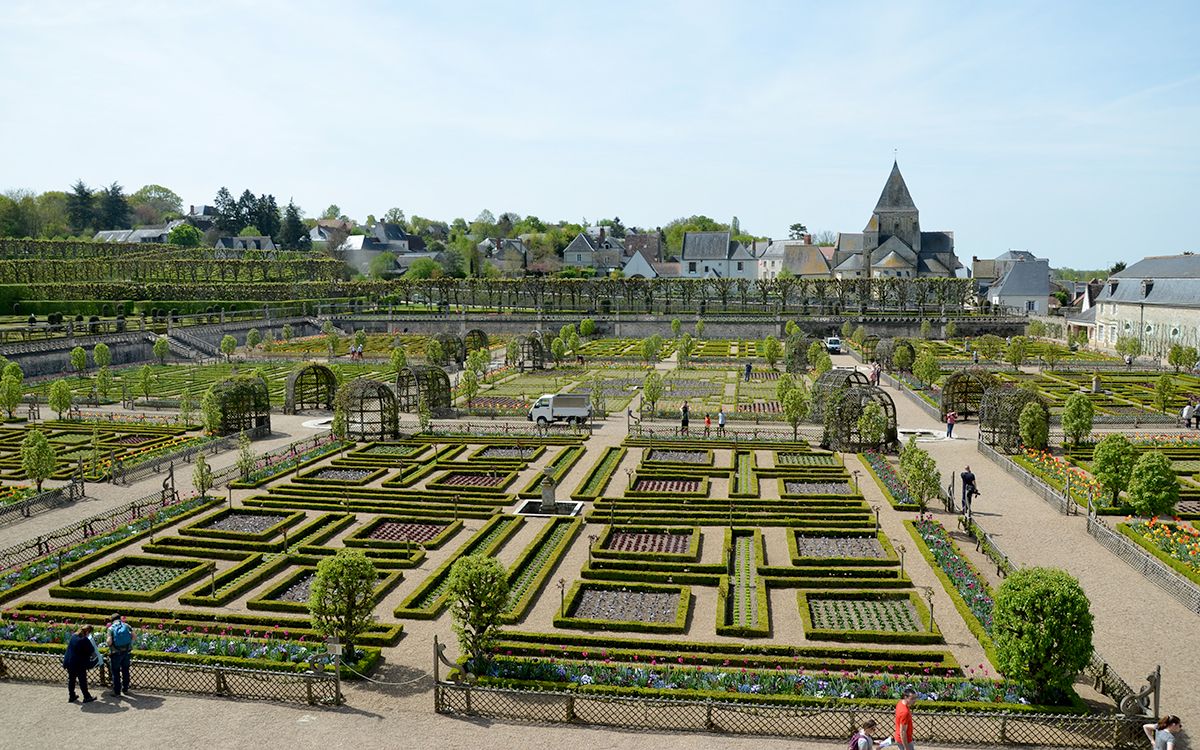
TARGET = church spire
(895,196)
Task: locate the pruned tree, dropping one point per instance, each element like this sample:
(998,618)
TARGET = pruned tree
(1112,463)
(652,389)
(1153,486)
(478,592)
(1042,628)
(1077,417)
(202,475)
(60,397)
(228,346)
(78,360)
(797,404)
(38,459)
(162,348)
(341,600)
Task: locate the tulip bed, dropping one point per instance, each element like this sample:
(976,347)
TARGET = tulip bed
(1176,544)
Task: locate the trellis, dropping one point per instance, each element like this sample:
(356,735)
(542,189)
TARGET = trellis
(365,409)
(531,354)
(416,382)
(1000,414)
(962,390)
(795,357)
(841,415)
(310,386)
(830,382)
(476,339)
(453,346)
(243,402)
(886,349)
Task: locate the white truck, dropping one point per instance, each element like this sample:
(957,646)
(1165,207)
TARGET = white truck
(833,345)
(561,407)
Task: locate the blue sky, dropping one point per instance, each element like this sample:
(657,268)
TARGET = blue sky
(1069,129)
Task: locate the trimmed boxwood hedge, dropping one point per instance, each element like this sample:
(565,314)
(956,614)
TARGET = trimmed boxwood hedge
(889,558)
(679,625)
(601,473)
(1178,566)
(600,550)
(310,477)
(361,537)
(77,587)
(858,636)
(560,467)
(235,581)
(327,450)
(266,601)
(199,528)
(517,609)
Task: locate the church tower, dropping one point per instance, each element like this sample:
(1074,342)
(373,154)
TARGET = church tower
(895,214)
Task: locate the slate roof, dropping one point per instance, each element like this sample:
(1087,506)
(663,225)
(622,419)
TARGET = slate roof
(707,246)
(849,242)
(1087,317)
(891,260)
(853,263)
(937,242)
(894,246)
(1163,267)
(895,195)
(1178,292)
(1029,278)
(931,265)
(245,243)
(1014,255)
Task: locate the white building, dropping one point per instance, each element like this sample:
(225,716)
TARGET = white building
(715,254)
(1156,300)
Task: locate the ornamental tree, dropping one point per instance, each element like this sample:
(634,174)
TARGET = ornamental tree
(341,599)
(926,329)
(435,354)
(101,355)
(228,346)
(478,361)
(926,368)
(1032,426)
(772,351)
(60,397)
(162,348)
(210,412)
(1042,628)
(1052,355)
(558,349)
(685,349)
(1112,463)
(1077,417)
(478,593)
(1129,346)
(785,383)
(146,380)
(1017,352)
(847,329)
(13,369)
(920,474)
(652,389)
(700,328)
(104,382)
(823,364)
(253,338)
(38,459)
(859,336)
(1153,489)
(676,327)
(791,328)
(950,329)
(202,475)
(587,328)
(330,332)
(814,351)
(902,358)
(651,348)
(185,235)
(1164,391)
(796,405)
(989,345)
(871,424)
(468,384)
(10,395)
(287,331)
(596,395)
(245,459)
(398,358)
(78,359)
(1181,356)
(186,406)
(1036,329)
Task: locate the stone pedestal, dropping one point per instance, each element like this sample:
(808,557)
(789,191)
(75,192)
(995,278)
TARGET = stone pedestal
(548,501)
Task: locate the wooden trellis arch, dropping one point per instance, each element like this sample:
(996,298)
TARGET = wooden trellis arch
(531,353)
(365,409)
(1000,414)
(476,339)
(453,346)
(841,415)
(416,381)
(962,390)
(310,386)
(829,383)
(243,402)
(886,348)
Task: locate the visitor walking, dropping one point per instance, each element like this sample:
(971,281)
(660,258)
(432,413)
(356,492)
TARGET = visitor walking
(683,419)
(120,647)
(951,420)
(1186,415)
(1162,734)
(748,368)
(707,423)
(81,656)
(721,421)
(903,731)
(969,490)
(1196,414)
(862,739)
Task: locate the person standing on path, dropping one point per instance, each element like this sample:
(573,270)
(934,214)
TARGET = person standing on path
(81,655)
(969,490)
(951,419)
(721,421)
(1186,415)
(683,419)
(748,372)
(1162,734)
(120,647)
(903,731)
(707,423)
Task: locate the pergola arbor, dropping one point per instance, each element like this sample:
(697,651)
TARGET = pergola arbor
(365,409)
(886,348)
(830,382)
(531,353)
(476,339)
(453,346)
(1000,414)
(310,386)
(244,403)
(416,382)
(962,390)
(795,357)
(841,416)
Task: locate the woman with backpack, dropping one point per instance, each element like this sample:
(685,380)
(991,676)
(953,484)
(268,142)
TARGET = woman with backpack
(120,647)
(862,739)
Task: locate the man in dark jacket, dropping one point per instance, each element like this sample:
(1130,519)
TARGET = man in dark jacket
(81,652)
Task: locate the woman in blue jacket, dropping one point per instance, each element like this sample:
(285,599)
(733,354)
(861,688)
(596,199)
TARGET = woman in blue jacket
(81,655)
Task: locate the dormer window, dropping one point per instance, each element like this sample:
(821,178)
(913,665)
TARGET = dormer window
(1147,286)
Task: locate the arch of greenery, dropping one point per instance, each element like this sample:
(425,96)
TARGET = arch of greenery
(416,382)
(365,409)
(841,415)
(531,353)
(795,357)
(962,390)
(476,339)
(243,402)
(309,386)
(453,346)
(1000,414)
(829,383)
(886,349)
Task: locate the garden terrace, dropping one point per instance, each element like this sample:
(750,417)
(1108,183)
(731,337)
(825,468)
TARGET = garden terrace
(97,445)
(136,578)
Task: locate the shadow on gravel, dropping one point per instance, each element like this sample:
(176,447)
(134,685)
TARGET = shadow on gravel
(143,702)
(106,705)
(399,680)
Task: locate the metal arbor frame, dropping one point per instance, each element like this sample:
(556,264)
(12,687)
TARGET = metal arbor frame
(476,339)
(416,382)
(531,354)
(453,346)
(795,355)
(829,383)
(310,386)
(962,390)
(841,418)
(366,410)
(1000,414)
(244,403)
(886,348)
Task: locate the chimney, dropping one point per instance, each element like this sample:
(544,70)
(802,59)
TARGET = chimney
(191,210)
(602,234)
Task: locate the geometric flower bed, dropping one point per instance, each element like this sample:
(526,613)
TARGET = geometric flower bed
(258,525)
(401,532)
(658,455)
(132,578)
(815,488)
(509,451)
(889,481)
(805,459)
(244,522)
(391,531)
(668,486)
(339,475)
(626,606)
(839,546)
(889,615)
(968,582)
(481,480)
(135,578)
(1176,544)
(657,543)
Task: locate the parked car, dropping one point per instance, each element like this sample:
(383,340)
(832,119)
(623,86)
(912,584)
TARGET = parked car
(833,345)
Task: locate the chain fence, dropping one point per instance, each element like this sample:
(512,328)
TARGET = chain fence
(311,688)
(1186,592)
(817,722)
(48,500)
(1053,497)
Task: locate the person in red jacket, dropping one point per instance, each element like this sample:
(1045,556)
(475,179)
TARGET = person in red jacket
(903,731)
